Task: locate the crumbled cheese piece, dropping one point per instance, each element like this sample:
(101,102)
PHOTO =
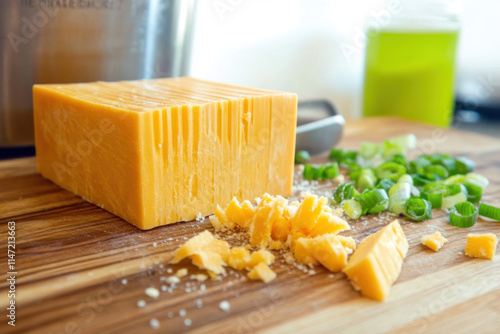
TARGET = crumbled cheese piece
(182,313)
(152,292)
(141,303)
(199,277)
(224,305)
(181,272)
(124,281)
(199,303)
(154,323)
(187,322)
(434,241)
(262,272)
(173,279)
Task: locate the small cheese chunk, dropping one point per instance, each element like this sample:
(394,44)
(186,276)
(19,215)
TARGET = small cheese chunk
(262,272)
(268,212)
(205,251)
(376,264)
(260,256)
(192,246)
(234,212)
(329,249)
(481,245)
(434,241)
(329,223)
(239,258)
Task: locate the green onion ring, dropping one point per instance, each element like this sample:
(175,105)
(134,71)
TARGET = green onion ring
(418,209)
(463,214)
(489,211)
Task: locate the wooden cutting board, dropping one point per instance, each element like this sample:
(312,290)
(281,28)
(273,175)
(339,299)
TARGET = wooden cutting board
(82,270)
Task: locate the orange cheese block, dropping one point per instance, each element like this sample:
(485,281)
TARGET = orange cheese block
(481,245)
(156,152)
(376,264)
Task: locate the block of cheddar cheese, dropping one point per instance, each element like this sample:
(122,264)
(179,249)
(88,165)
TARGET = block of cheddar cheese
(156,152)
(376,264)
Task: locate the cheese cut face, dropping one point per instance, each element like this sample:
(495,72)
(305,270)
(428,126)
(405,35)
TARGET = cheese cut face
(481,245)
(155,152)
(376,264)
(434,241)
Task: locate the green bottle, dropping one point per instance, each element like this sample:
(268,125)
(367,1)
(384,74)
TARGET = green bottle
(409,65)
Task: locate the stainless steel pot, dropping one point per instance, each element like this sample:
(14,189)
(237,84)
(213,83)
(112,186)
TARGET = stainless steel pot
(62,41)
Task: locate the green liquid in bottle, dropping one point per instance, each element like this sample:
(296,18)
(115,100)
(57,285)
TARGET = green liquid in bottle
(410,75)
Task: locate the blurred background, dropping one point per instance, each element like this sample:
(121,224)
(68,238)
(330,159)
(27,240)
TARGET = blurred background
(315,48)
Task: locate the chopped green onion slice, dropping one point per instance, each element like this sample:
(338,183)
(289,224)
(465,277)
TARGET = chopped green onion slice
(352,208)
(420,181)
(455,193)
(367,179)
(474,192)
(418,209)
(368,150)
(336,153)
(434,193)
(344,192)
(311,172)
(463,214)
(374,201)
(476,179)
(385,184)
(302,157)
(459,178)
(406,178)
(433,172)
(390,170)
(489,211)
(419,163)
(399,159)
(398,195)
(464,165)
(390,149)
(330,171)
(348,163)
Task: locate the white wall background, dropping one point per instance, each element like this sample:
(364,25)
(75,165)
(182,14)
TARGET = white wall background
(295,45)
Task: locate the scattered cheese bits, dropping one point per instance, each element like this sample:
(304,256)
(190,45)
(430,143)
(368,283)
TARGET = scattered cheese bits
(327,249)
(192,246)
(309,228)
(199,277)
(377,262)
(481,245)
(205,251)
(181,272)
(152,292)
(224,305)
(234,213)
(262,272)
(260,256)
(268,212)
(434,241)
(239,258)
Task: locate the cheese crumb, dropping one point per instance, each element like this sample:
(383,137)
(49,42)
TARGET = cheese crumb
(154,323)
(181,272)
(141,303)
(187,322)
(173,279)
(152,292)
(224,305)
(182,313)
(434,241)
(124,281)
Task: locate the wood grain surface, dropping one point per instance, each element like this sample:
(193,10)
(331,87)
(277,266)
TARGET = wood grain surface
(82,270)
